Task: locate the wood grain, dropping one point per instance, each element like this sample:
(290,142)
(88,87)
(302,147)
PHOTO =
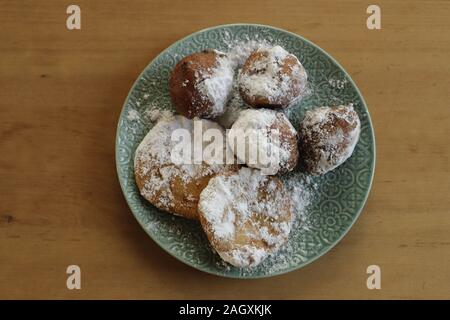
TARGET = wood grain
(61,93)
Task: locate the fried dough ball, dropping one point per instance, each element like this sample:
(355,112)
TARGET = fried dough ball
(270,140)
(328,136)
(272,78)
(200,84)
(246,215)
(174,185)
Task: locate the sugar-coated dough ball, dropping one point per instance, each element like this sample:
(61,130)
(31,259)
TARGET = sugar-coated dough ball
(328,136)
(246,215)
(174,186)
(200,84)
(270,140)
(272,77)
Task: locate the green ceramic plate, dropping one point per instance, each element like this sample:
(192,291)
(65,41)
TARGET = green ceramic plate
(340,194)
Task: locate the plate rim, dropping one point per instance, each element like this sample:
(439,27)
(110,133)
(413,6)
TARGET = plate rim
(251,276)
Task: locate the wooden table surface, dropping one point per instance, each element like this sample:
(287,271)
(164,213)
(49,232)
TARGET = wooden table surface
(61,93)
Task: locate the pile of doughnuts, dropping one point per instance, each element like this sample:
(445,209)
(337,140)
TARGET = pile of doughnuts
(244,208)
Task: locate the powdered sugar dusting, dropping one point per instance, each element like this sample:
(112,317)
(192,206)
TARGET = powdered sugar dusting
(133,115)
(216,84)
(329,136)
(301,189)
(267,77)
(239,206)
(154,162)
(241,50)
(234,107)
(220,85)
(268,141)
(155,114)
